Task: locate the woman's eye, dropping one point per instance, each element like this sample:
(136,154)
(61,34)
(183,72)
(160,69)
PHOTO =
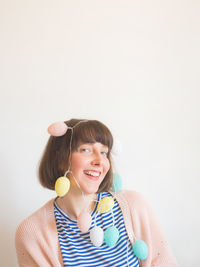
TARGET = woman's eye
(104,153)
(84,150)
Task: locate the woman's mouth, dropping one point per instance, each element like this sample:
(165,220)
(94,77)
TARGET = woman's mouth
(93,175)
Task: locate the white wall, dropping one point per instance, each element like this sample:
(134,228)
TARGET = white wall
(134,65)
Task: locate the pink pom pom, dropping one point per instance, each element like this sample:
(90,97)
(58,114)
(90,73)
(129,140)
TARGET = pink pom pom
(57,128)
(84,221)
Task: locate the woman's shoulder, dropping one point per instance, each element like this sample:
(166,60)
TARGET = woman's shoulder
(131,196)
(133,200)
(130,193)
(36,221)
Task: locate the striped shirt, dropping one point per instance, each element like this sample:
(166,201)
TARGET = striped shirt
(77,249)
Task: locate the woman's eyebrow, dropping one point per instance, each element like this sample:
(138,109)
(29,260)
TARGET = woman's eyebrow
(105,147)
(91,143)
(82,144)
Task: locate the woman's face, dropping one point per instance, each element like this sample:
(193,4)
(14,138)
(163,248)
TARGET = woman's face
(89,166)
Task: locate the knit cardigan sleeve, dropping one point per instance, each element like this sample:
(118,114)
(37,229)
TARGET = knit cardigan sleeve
(141,223)
(36,240)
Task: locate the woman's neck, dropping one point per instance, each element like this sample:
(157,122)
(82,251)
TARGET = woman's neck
(73,203)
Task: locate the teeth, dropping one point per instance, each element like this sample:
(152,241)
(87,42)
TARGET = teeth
(93,173)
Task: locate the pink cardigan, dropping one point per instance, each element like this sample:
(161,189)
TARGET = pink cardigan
(37,241)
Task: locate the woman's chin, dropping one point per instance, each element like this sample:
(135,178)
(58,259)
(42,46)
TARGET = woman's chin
(90,190)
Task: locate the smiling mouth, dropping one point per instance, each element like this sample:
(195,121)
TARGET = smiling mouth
(94,175)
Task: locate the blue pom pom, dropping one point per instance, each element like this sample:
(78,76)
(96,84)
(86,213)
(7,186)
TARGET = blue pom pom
(117,182)
(140,249)
(111,236)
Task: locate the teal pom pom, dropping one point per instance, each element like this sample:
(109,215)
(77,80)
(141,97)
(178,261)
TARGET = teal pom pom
(111,236)
(117,182)
(140,249)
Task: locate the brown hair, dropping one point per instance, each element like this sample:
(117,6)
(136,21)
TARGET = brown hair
(55,159)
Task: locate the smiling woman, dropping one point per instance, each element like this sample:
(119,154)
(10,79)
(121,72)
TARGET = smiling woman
(91,222)
(57,155)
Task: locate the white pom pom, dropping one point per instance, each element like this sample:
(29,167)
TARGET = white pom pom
(96,236)
(117,147)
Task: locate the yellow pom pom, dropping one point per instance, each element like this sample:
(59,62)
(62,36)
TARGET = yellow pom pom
(62,186)
(105,204)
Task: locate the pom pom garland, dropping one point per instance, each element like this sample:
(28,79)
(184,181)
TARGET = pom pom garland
(140,249)
(117,183)
(105,204)
(111,236)
(84,220)
(57,129)
(62,186)
(96,236)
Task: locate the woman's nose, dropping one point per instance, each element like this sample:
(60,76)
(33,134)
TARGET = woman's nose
(97,159)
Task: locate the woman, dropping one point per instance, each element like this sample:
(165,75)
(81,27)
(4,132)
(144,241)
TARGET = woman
(90,223)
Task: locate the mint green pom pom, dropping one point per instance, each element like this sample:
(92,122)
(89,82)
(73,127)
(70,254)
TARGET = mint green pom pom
(140,249)
(111,236)
(117,182)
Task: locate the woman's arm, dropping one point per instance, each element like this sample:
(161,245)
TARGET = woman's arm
(36,240)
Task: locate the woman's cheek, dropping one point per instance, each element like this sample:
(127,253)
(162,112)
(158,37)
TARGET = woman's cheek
(108,166)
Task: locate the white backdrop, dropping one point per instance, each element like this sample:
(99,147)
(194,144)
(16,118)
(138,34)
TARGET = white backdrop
(134,65)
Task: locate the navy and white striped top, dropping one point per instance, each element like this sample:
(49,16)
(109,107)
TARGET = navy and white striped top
(77,249)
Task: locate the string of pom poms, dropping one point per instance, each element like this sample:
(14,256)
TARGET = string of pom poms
(62,185)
